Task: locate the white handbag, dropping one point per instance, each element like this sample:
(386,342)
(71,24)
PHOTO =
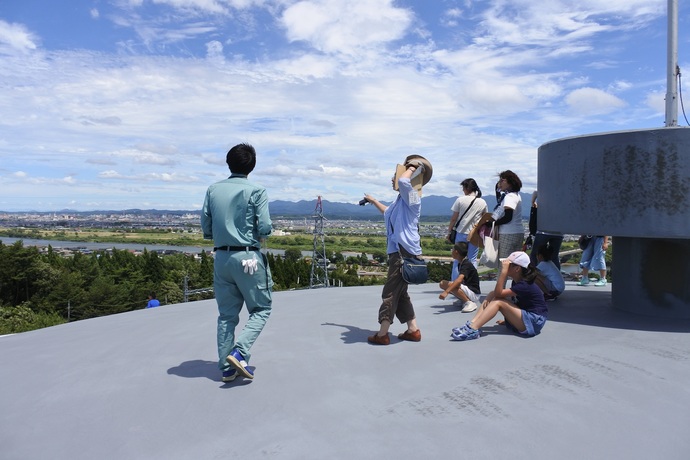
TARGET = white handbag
(489,256)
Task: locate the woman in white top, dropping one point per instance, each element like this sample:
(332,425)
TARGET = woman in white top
(507,215)
(467,210)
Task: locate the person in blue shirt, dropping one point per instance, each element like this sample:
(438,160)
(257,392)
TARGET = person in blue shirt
(549,279)
(542,238)
(402,223)
(235,216)
(594,257)
(525,316)
(153,302)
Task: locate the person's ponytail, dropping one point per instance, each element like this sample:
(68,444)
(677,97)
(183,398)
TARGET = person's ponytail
(529,274)
(471,185)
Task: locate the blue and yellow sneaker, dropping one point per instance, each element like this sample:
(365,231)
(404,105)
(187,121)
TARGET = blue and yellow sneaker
(238,362)
(466,332)
(229,375)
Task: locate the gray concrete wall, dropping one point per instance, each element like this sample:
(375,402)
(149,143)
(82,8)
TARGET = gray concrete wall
(627,183)
(654,277)
(633,186)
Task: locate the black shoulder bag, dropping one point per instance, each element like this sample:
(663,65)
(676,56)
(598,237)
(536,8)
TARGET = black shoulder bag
(454,232)
(414,269)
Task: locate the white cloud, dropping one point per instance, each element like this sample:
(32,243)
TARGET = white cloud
(214,51)
(334,26)
(332,94)
(592,101)
(450,17)
(211,6)
(153,159)
(620,86)
(656,101)
(308,66)
(16,37)
(557,23)
(336,171)
(171,177)
(110,174)
(101,161)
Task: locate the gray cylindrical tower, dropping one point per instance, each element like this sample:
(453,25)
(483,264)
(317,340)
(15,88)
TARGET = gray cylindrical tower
(634,186)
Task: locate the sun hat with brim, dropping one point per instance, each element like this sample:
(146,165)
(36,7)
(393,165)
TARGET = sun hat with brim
(428,169)
(481,229)
(417,181)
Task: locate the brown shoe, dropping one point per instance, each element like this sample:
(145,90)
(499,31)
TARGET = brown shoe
(379,339)
(415,336)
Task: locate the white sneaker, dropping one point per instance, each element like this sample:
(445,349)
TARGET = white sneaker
(469,307)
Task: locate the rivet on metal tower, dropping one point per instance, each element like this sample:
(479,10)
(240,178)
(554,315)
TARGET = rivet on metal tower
(319,262)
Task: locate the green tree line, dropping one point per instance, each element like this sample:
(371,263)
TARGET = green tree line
(39,289)
(44,288)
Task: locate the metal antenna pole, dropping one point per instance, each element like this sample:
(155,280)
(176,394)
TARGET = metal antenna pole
(319,262)
(672,65)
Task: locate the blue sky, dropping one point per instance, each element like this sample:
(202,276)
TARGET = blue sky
(116,104)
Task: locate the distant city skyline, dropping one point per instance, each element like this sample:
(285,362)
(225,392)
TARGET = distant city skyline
(432,207)
(119,104)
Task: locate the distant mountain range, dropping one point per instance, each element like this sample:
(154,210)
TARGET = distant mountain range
(433,206)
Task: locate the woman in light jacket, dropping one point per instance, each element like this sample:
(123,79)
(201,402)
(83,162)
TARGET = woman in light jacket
(467,210)
(402,222)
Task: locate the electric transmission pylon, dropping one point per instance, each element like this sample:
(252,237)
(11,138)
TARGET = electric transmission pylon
(319,262)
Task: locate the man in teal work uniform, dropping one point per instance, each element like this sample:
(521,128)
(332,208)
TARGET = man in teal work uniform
(235,216)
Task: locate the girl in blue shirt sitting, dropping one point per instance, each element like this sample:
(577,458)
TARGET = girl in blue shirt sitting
(526,316)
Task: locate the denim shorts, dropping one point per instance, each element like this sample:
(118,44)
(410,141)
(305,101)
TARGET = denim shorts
(533,322)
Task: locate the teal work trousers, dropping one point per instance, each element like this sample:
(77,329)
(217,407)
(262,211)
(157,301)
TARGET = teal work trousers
(234,287)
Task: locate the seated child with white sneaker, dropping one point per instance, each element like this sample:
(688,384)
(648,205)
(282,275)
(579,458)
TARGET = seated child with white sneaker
(549,278)
(526,316)
(466,286)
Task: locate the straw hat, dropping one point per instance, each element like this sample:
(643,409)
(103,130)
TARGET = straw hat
(419,180)
(476,235)
(428,169)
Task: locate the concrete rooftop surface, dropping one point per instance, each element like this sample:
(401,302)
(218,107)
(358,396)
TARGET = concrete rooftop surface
(598,383)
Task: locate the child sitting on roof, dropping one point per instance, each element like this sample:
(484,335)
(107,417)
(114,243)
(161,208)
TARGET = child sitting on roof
(549,278)
(525,316)
(466,286)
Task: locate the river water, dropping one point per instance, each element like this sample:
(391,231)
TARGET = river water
(101,246)
(128,246)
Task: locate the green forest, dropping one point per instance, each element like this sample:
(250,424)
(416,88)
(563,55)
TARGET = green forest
(43,288)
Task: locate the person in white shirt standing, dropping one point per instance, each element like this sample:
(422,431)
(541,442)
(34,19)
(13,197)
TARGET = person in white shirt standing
(467,210)
(507,215)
